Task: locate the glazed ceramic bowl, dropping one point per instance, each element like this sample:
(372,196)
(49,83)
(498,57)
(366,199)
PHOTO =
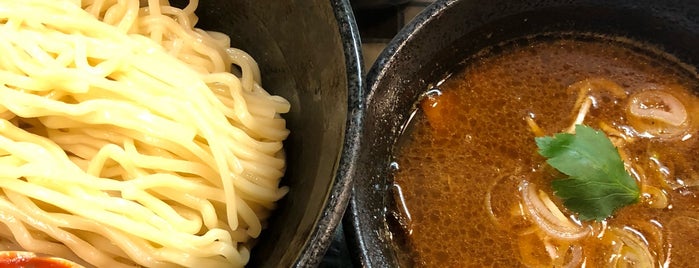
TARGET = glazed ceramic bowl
(309,53)
(438,40)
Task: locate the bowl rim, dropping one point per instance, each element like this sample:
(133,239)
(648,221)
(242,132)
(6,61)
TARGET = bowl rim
(332,213)
(368,246)
(362,249)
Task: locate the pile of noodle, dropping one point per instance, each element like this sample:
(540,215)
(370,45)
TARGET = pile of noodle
(126,140)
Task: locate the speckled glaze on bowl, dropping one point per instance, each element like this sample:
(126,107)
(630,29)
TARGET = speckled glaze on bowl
(375,4)
(438,40)
(308,52)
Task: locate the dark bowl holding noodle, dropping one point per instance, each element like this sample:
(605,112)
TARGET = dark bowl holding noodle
(423,207)
(309,53)
(211,133)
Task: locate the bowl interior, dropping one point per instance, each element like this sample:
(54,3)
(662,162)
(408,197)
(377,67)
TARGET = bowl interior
(300,47)
(440,39)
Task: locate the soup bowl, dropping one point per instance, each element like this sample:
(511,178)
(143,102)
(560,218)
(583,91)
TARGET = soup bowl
(437,41)
(308,53)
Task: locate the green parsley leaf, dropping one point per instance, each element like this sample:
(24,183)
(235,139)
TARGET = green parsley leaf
(597,183)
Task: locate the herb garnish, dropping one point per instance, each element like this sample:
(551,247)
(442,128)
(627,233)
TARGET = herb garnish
(597,182)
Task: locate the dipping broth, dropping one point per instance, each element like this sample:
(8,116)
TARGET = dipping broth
(469,152)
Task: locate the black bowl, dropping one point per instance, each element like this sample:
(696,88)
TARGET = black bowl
(376,4)
(445,34)
(308,52)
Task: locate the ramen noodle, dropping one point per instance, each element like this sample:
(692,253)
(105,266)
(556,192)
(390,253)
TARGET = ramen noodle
(130,138)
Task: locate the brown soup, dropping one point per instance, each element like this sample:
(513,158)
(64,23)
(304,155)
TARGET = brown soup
(470,146)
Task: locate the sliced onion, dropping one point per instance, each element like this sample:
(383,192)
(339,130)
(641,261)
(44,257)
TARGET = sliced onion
(653,234)
(588,95)
(545,219)
(588,92)
(656,113)
(658,105)
(634,250)
(587,86)
(562,253)
(551,249)
(618,138)
(655,197)
(506,211)
(554,210)
(576,257)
